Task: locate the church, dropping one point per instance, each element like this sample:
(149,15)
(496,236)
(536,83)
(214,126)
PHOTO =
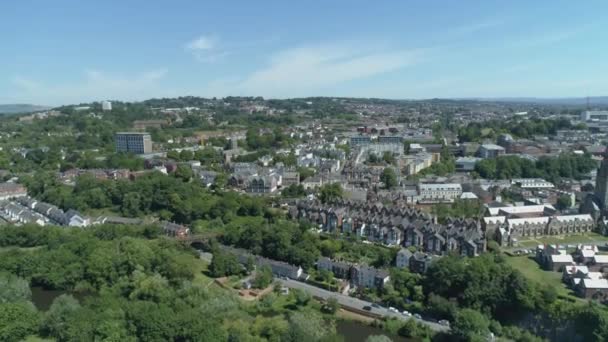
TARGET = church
(596,204)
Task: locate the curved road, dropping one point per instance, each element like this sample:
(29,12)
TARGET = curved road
(355,303)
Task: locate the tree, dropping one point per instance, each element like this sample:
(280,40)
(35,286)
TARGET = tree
(563,202)
(59,314)
(331,305)
(18,320)
(263,277)
(470,324)
(389,178)
(13,288)
(302,297)
(330,192)
(307,326)
(388,157)
(184,172)
(224,264)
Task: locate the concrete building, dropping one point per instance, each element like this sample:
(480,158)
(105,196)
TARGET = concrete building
(412,164)
(489,151)
(390,139)
(594,115)
(532,183)
(466,164)
(360,140)
(442,192)
(135,142)
(106,106)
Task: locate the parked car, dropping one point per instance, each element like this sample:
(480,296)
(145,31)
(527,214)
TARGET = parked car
(444,322)
(367,308)
(392,309)
(406,313)
(418,316)
(376,306)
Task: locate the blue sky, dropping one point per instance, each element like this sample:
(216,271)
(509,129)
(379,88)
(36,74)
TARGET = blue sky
(68,51)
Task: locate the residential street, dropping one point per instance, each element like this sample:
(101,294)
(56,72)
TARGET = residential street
(355,303)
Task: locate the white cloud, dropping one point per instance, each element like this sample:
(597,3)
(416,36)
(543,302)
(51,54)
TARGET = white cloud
(304,71)
(202,43)
(206,49)
(95,85)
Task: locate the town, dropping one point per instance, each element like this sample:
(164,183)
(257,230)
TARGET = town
(527,181)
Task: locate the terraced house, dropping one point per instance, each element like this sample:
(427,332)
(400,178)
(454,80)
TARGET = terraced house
(394,226)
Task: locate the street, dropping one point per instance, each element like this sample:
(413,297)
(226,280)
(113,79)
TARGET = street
(355,303)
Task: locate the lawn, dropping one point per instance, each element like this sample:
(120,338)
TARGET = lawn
(531,270)
(201,278)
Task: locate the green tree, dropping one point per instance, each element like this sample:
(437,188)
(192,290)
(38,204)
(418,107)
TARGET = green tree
(13,288)
(18,320)
(388,158)
(389,178)
(307,326)
(330,192)
(331,305)
(184,172)
(564,202)
(224,264)
(56,319)
(470,325)
(263,277)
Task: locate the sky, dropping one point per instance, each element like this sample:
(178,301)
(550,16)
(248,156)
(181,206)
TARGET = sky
(68,51)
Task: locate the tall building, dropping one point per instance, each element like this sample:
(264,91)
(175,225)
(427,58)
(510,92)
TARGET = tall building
(596,204)
(106,105)
(135,142)
(601,185)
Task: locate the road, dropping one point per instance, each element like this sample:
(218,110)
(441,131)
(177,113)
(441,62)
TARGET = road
(351,302)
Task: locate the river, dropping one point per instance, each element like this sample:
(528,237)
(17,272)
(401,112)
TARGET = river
(43,298)
(358,332)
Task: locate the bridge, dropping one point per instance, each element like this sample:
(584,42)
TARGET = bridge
(196,238)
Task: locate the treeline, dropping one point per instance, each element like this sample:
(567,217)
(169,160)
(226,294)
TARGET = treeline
(151,194)
(296,244)
(477,131)
(566,165)
(139,289)
(485,294)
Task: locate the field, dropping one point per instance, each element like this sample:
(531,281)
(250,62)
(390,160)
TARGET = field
(531,270)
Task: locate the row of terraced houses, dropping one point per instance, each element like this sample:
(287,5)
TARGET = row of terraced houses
(394,226)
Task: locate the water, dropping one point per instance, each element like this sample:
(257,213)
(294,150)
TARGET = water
(43,298)
(358,332)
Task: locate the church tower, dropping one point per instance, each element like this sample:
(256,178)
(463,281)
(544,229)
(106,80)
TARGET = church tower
(601,185)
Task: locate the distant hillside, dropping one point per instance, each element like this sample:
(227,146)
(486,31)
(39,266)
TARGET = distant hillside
(20,108)
(573,101)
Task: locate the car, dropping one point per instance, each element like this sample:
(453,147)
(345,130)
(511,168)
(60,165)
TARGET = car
(376,305)
(406,313)
(392,309)
(444,322)
(418,316)
(367,308)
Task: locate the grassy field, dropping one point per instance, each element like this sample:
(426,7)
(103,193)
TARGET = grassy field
(531,270)
(567,239)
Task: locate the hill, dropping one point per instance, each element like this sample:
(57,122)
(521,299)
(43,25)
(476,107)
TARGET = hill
(20,108)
